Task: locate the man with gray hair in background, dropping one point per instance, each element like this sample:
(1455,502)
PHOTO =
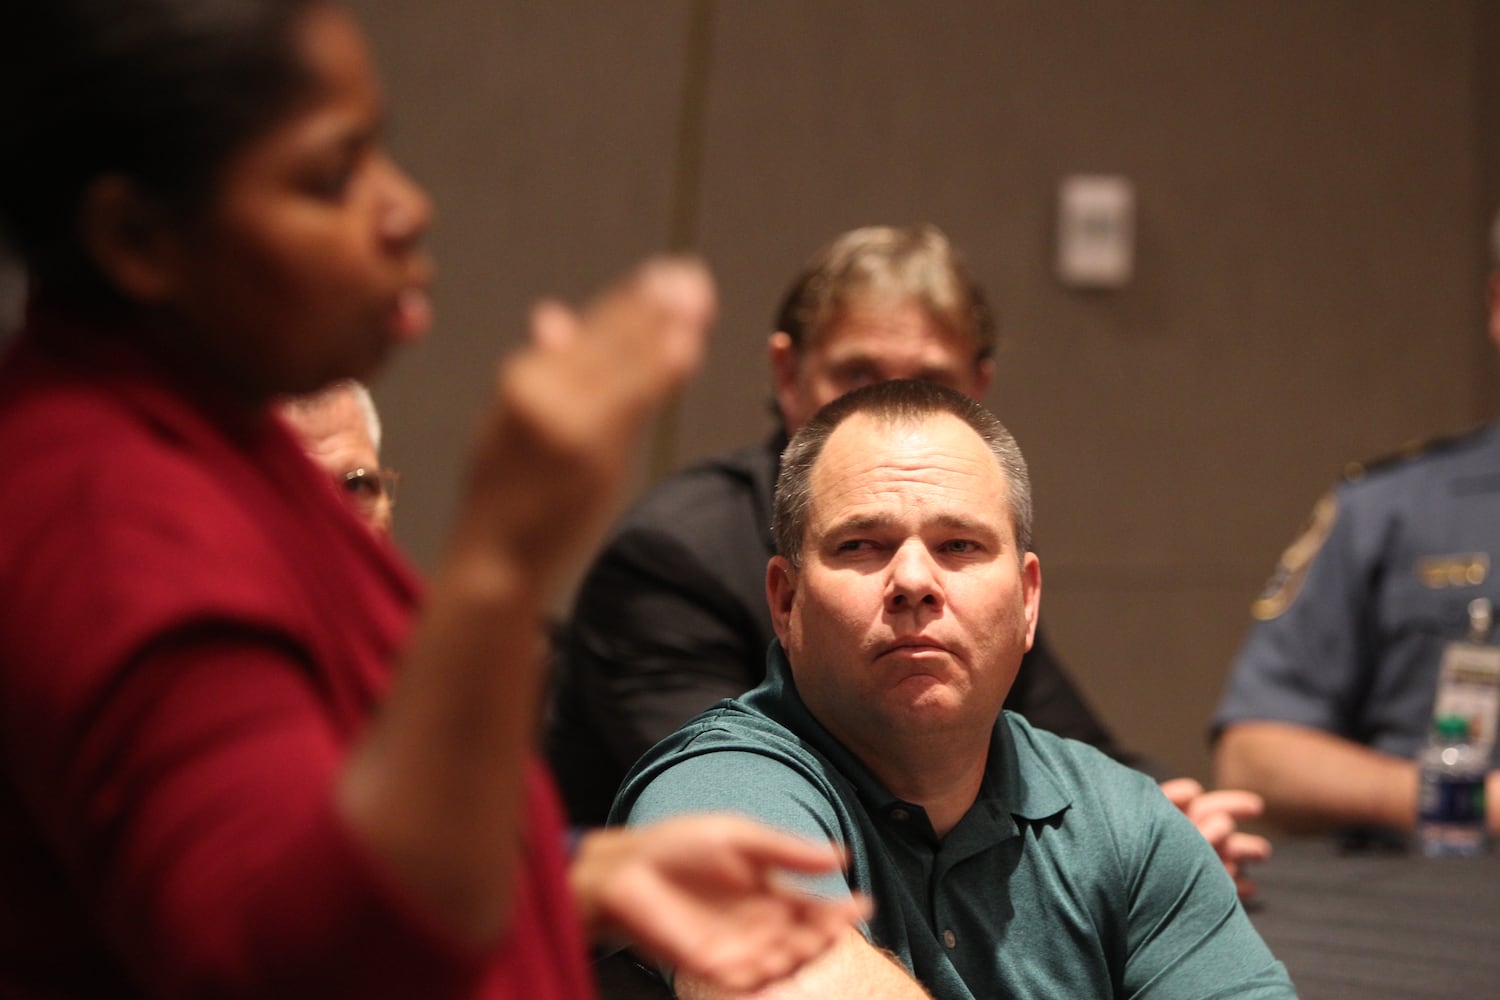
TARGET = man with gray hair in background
(1004,860)
(340,431)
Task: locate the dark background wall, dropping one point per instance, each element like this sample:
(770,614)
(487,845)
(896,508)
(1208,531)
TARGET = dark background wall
(1314,184)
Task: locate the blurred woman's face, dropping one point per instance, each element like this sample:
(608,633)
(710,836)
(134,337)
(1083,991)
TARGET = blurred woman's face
(308,264)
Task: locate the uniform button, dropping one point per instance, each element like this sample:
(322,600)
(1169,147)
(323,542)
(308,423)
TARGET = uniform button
(900,815)
(950,939)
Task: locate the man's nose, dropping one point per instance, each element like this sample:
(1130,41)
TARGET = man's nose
(914,579)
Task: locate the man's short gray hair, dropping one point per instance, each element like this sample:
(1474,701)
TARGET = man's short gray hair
(898,402)
(330,392)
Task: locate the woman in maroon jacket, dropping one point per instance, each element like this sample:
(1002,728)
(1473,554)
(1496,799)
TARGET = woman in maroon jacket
(234,760)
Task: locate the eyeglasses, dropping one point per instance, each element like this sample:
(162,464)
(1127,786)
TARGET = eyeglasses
(371,489)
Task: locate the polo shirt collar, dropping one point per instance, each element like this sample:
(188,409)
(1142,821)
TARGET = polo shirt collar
(1017,780)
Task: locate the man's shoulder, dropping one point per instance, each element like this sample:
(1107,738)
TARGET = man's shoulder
(1079,772)
(730,727)
(1112,815)
(1417,465)
(730,749)
(1048,748)
(1372,505)
(682,576)
(726,485)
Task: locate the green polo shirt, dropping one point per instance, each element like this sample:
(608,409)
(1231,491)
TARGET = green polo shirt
(1070,876)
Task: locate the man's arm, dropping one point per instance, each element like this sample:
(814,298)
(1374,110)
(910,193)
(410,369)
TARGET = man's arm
(852,968)
(1218,815)
(1284,726)
(1313,780)
(1186,935)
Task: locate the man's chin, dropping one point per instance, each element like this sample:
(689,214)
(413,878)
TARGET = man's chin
(927,696)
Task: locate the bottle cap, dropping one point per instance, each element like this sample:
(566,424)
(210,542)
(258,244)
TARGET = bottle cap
(1481,619)
(1452,728)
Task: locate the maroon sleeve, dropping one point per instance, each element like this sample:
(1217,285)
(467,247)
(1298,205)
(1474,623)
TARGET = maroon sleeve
(181,676)
(196,815)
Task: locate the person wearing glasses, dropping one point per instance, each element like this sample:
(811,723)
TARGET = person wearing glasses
(339,428)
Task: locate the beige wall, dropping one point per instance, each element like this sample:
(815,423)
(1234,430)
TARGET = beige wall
(1314,180)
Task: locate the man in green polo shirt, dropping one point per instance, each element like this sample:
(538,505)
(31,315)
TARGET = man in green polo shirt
(1003,860)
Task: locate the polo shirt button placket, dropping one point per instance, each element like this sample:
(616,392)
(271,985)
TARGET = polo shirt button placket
(950,939)
(900,815)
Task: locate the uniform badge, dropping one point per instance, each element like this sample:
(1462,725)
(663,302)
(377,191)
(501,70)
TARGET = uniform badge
(1286,582)
(1462,569)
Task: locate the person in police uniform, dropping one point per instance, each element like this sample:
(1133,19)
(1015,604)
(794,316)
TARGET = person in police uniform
(1330,698)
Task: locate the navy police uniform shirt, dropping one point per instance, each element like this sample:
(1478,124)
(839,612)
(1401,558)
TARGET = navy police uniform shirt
(1350,631)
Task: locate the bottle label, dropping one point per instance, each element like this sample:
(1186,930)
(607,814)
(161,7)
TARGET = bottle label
(1469,686)
(1453,800)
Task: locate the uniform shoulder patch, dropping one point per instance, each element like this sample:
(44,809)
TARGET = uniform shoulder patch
(1286,581)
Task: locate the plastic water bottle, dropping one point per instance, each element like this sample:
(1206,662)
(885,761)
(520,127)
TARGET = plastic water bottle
(1450,813)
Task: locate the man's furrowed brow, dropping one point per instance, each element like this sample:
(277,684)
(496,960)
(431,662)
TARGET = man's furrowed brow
(855,523)
(963,522)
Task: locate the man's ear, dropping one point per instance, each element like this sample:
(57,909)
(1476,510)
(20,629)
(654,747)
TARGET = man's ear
(781,588)
(1031,593)
(983,376)
(782,354)
(129,236)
